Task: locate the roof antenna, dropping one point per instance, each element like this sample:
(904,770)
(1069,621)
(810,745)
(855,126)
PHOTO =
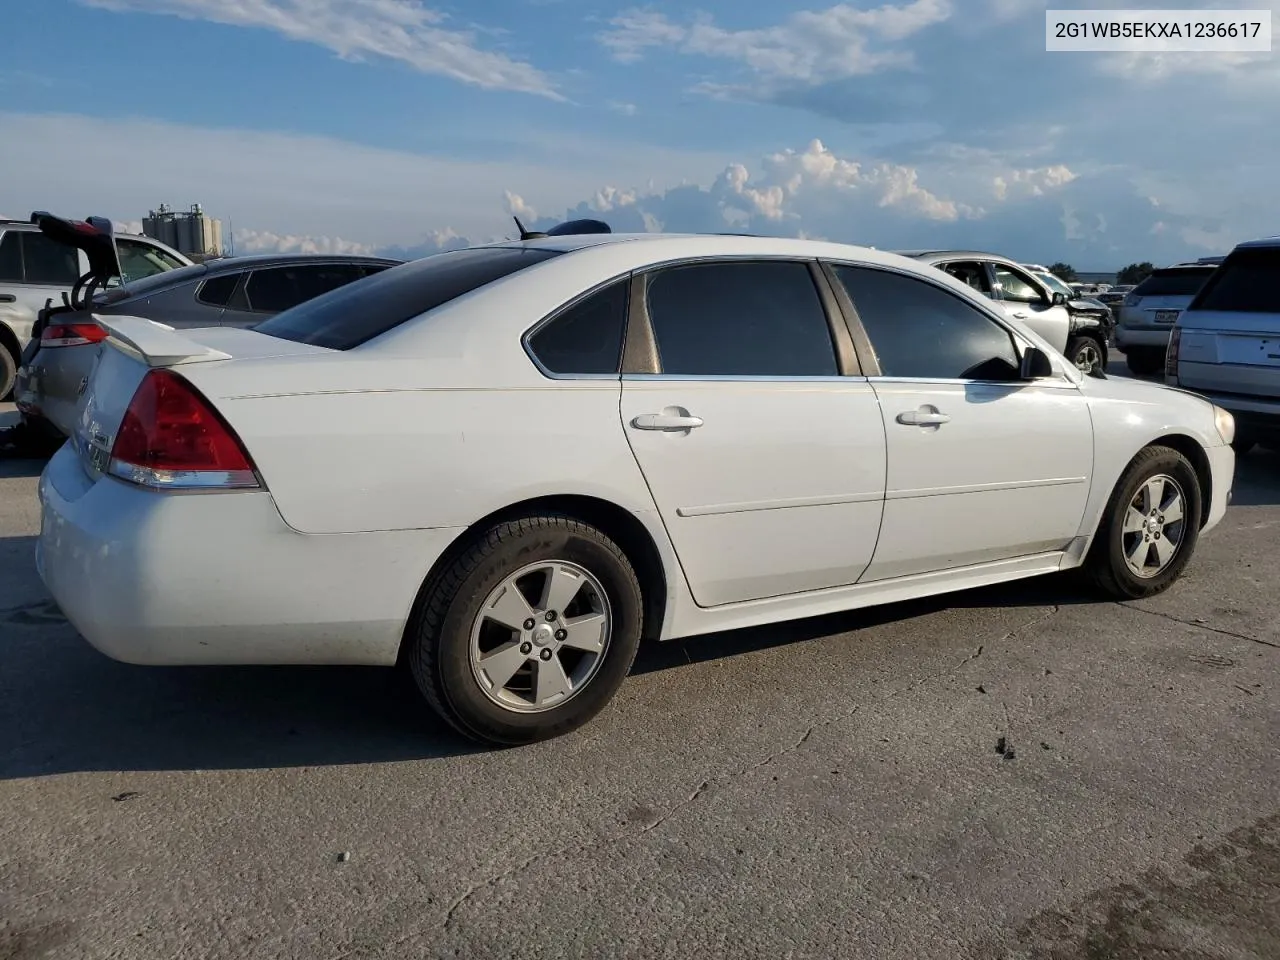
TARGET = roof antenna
(527,234)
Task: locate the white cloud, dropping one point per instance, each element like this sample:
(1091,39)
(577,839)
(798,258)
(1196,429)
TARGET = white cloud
(264,241)
(403,30)
(364,195)
(626,109)
(810,47)
(517,207)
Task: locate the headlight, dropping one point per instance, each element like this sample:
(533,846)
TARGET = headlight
(1226,424)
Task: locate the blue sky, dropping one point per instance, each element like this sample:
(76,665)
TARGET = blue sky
(407,125)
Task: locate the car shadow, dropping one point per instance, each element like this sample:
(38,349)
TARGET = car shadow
(24,466)
(1257,481)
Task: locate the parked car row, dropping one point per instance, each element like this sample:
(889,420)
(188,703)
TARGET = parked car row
(540,452)
(130,276)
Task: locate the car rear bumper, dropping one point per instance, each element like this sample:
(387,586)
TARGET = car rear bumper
(219,578)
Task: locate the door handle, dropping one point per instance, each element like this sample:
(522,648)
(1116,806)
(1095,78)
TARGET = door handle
(923,418)
(665,421)
(1019,316)
(8,298)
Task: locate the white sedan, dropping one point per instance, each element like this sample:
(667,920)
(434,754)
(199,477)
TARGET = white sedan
(504,467)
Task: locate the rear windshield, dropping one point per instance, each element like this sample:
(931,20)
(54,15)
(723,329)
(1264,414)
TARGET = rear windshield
(150,284)
(1182,282)
(1247,282)
(349,315)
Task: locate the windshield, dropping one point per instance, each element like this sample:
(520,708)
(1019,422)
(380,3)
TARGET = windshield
(149,285)
(1057,286)
(357,312)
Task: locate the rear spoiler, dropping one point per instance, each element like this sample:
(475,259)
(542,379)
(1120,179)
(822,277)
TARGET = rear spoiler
(155,344)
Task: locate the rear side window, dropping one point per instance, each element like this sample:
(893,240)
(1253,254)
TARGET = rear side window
(587,337)
(48,262)
(753,318)
(216,291)
(1184,282)
(352,314)
(1247,282)
(11,257)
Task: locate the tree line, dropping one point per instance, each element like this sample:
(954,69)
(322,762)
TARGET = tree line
(1133,274)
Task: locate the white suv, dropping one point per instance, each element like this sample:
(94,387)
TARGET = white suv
(36,268)
(1226,344)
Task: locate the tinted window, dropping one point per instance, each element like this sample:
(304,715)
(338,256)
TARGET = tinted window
(11,257)
(587,337)
(347,317)
(216,291)
(1185,282)
(1015,285)
(1248,282)
(49,262)
(919,330)
(974,274)
(740,319)
(279,288)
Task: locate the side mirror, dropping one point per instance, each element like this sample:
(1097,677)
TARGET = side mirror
(1036,364)
(1058,298)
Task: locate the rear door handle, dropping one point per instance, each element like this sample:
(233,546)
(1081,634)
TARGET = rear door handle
(665,421)
(923,418)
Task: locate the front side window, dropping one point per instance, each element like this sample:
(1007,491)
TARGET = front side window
(972,273)
(921,331)
(1246,282)
(355,313)
(740,318)
(586,338)
(1016,285)
(48,262)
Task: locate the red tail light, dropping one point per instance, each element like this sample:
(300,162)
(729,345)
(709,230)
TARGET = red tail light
(1171,355)
(171,438)
(72,335)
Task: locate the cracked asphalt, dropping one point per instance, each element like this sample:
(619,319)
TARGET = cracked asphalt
(1017,772)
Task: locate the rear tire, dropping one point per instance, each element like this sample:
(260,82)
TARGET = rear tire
(551,670)
(1144,361)
(8,372)
(1137,525)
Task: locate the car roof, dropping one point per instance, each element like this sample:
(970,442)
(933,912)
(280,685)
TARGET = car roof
(656,247)
(927,255)
(1262,242)
(224,264)
(27,225)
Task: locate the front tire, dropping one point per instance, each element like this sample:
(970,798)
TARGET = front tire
(529,632)
(1088,355)
(1150,526)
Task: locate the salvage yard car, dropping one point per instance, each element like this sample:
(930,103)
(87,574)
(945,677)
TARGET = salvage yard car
(1226,344)
(35,268)
(503,467)
(233,292)
(1149,311)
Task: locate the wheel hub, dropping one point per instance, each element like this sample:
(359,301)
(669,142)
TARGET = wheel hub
(544,635)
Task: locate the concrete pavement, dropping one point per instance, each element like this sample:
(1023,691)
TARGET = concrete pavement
(829,788)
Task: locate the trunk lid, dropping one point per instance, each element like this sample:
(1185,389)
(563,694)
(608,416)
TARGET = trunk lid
(134,346)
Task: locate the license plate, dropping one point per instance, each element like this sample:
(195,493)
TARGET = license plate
(1166,316)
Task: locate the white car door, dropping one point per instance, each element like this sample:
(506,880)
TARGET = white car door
(765,462)
(982,466)
(1026,300)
